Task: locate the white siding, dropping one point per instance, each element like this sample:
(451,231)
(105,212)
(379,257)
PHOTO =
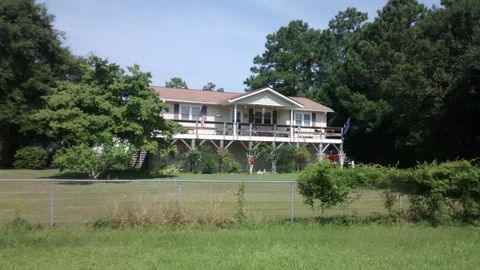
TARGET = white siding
(224,114)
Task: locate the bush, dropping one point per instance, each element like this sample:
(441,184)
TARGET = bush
(325,184)
(233,167)
(286,163)
(94,161)
(208,163)
(301,156)
(437,191)
(192,160)
(101,222)
(169,171)
(19,224)
(30,157)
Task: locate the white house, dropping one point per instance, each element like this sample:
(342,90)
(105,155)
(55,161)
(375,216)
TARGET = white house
(240,122)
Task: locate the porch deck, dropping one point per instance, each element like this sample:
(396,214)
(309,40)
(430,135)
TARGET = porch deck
(229,131)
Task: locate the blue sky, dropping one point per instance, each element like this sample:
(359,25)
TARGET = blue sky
(199,41)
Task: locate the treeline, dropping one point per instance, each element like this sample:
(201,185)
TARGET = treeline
(409,78)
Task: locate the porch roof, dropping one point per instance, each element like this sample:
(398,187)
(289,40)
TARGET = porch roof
(225,98)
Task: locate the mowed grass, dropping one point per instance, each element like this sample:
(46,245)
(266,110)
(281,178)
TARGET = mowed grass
(280,246)
(55,173)
(83,203)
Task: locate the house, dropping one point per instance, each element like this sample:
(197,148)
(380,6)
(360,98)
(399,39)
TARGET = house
(240,122)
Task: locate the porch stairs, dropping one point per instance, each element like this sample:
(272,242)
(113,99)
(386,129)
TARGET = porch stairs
(137,159)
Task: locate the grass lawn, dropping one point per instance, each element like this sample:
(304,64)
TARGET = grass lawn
(54,173)
(274,246)
(80,203)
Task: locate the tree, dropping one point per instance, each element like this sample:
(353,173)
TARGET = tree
(176,82)
(323,184)
(107,100)
(289,64)
(108,109)
(271,153)
(347,22)
(209,87)
(32,59)
(94,161)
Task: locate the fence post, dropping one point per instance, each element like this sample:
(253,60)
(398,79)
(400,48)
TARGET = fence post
(291,201)
(52,203)
(179,194)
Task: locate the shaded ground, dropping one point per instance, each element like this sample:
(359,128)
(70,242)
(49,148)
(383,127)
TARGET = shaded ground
(55,173)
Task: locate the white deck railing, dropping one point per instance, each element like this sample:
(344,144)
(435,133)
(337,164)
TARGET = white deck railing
(262,132)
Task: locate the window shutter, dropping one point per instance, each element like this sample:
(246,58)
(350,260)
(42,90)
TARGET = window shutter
(314,119)
(176,111)
(250,115)
(274,116)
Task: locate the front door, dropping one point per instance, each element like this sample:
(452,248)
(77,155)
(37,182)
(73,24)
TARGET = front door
(239,115)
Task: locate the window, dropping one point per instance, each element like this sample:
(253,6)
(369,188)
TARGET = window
(185,112)
(267,117)
(262,116)
(306,119)
(303,119)
(194,112)
(189,112)
(258,117)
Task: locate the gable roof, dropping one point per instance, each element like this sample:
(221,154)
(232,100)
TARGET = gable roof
(267,89)
(311,105)
(224,98)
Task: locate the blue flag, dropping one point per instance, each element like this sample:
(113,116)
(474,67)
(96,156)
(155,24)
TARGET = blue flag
(346,127)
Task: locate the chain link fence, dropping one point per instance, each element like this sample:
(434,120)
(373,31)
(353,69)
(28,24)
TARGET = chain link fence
(65,202)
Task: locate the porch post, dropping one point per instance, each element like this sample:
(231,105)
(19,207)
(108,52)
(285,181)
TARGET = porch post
(291,125)
(341,155)
(235,121)
(320,152)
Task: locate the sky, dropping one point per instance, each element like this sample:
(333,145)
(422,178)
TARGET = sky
(199,41)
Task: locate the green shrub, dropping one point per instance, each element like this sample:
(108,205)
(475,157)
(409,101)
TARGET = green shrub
(240,215)
(30,157)
(224,158)
(301,156)
(169,171)
(233,167)
(439,188)
(192,160)
(19,224)
(102,222)
(208,163)
(286,163)
(94,161)
(439,193)
(325,184)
